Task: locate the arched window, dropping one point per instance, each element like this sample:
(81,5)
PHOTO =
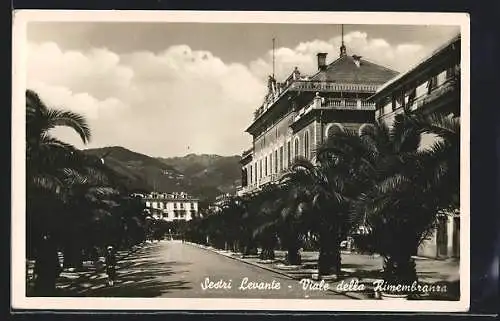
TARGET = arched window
(366,129)
(296,147)
(333,129)
(306,145)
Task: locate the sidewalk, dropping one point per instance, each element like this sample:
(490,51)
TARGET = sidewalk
(89,277)
(358,269)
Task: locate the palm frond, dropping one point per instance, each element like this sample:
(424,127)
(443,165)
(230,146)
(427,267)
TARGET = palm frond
(77,122)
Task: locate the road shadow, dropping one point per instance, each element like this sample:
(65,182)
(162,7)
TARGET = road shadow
(140,275)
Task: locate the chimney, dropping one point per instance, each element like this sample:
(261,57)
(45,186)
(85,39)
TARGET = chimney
(321,60)
(357,60)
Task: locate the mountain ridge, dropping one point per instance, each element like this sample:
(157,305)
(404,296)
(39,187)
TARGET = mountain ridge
(202,175)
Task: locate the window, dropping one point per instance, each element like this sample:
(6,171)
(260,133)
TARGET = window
(255,172)
(306,145)
(296,148)
(265,168)
(289,153)
(411,96)
(175,205)
(394,103)
(276,161)
(182,205)
(270,163)
(260,167)
(251,174)
(431,84)
(332,129)
(451,72)
(281,158)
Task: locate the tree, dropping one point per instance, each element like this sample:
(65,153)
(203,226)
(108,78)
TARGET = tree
(410,186)
(327,189)
(51,165)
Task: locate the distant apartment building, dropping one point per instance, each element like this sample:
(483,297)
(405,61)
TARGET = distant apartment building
(220,202)
(171,206)
(300,112)
(432,85)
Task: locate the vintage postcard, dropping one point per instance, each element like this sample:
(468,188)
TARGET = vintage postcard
(188,160)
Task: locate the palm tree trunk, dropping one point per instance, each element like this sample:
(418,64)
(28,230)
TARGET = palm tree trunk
(251,249)
(267,253)
(268,246)
(329,261)
(293,256)
(399,269)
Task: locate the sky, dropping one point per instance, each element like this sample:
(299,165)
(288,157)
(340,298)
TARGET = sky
(171,89)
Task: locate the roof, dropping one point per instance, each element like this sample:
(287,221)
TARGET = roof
(417,66)
(345,70)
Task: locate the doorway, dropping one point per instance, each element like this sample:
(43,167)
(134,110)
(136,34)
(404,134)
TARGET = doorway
(456,237)
(442,237)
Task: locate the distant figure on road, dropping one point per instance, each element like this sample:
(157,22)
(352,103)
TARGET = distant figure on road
(111,265)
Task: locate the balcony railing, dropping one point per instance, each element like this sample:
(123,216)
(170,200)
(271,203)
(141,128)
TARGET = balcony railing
(247,152)
(338,103)
(447,87)
(261,182)
(325,86)
(306,85)
(335,103)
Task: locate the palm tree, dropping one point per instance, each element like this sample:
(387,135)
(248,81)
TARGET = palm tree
(267,222)
(53,167)
(409,186)
(47,157)
(327,188)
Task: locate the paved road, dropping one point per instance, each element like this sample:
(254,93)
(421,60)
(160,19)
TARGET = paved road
(174,269)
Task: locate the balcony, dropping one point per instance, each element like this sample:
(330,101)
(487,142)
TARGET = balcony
(311,86)
(335,103)
(444,90)
(325,86)
(261,182)
(247,153)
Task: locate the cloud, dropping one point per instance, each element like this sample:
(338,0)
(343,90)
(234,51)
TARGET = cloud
(180,100)
(397,56)
(168,103)
(97,71)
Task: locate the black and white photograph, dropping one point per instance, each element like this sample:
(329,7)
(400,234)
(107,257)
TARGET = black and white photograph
(240,161)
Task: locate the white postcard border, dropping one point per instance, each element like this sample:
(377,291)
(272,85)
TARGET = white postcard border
(18,222)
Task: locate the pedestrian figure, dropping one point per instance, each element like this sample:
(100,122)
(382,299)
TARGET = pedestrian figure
(111,265)
(47,268)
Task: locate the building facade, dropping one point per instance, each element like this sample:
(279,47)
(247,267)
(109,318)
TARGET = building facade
(300,112)
(221,201)
(171,206)
(433,85)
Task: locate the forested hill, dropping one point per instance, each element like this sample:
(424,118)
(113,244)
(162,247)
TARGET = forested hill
(204,176)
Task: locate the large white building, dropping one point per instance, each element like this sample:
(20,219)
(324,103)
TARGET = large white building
(171,206)
(303,110)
